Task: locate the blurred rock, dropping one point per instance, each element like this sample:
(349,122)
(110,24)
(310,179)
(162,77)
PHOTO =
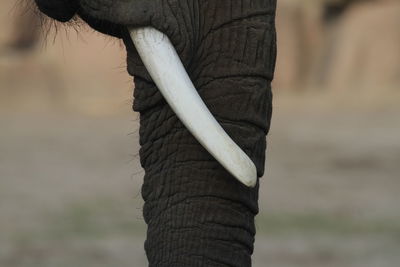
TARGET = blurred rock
(299,34)
(338,44)
(364,48)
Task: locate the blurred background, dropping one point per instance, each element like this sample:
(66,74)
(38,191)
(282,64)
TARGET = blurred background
(69,170)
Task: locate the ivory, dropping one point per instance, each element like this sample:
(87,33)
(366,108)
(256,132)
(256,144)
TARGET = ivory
(168,73)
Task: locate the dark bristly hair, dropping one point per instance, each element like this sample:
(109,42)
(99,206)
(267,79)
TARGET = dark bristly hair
(48,27)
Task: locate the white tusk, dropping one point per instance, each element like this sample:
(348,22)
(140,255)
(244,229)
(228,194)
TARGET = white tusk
(165,67)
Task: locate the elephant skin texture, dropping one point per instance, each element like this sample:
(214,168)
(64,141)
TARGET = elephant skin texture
(197,213)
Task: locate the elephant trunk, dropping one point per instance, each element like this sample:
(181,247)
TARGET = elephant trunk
(197,214)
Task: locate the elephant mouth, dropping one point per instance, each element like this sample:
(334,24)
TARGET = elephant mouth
(166,69)
(64,11)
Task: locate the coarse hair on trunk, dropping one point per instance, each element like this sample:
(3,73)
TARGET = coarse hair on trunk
(48,28)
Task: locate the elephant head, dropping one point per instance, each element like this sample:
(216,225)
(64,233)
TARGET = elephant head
(197,214)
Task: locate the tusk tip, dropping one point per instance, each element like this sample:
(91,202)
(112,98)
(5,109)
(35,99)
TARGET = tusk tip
(247,175)
(251,180)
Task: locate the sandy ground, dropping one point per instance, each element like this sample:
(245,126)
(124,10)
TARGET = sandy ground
(70,191)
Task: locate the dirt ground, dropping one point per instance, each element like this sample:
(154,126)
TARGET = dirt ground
(70,190)
(70,176)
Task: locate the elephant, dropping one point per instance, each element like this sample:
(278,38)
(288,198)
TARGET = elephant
(197,214)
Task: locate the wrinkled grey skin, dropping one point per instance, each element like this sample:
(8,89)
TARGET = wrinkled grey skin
(197,213)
